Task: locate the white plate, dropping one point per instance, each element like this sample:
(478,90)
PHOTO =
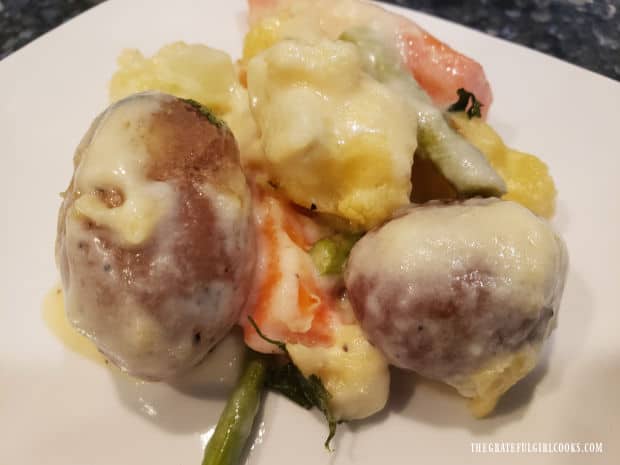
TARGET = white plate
(58,408)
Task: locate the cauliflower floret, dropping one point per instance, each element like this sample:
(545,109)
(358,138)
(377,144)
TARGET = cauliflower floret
(352,370)
(333,136)
(527,177)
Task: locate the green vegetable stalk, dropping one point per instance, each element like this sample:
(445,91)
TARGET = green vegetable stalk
(307,392)
(462,164)
(206,112)
(235,423)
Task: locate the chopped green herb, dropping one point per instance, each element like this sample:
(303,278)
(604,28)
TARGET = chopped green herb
(279,344)
(206,112)
(463,102)
(462,164)
(289,380)
(319,396)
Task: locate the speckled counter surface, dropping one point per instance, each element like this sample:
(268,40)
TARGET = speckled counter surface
(583,32)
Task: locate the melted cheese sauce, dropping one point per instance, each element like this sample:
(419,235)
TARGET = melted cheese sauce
(525,258)
(520,248)
(307,19)
(332,135)
(486,386)
(114,156)
(135,331)
(221,368)
(151,340)
(353,371)
(56,320)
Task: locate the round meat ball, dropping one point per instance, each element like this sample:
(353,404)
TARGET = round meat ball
(444,289)
(155,241)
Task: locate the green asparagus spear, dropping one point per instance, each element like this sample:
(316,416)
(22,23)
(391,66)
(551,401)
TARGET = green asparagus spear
(308,392)
(462,164)
(235,423)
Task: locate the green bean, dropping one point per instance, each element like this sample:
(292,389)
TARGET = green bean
(235,423)
(330,253)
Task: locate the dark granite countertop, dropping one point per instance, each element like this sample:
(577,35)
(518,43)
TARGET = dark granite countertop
(583,32)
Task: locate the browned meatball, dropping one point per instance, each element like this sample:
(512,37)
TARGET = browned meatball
(445,289)
(155,243)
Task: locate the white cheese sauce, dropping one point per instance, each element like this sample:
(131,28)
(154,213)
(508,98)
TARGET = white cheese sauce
(445,289)
(151,307)
(113,156)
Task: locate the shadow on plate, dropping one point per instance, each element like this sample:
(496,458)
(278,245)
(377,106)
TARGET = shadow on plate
(193,402)
(434,403)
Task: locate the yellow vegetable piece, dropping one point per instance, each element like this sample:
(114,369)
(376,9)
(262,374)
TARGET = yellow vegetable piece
(529,183)
(485,387)
(187,71)
(262,36)
(290,23)
(353,371)
(526,176)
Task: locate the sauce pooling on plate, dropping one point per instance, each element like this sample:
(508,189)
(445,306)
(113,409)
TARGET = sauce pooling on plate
(218,371)
(56,320)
